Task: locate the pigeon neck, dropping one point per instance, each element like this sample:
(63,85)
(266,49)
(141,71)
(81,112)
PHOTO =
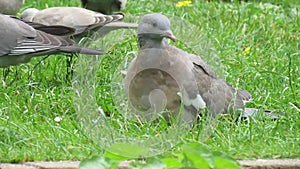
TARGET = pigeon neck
(151,42)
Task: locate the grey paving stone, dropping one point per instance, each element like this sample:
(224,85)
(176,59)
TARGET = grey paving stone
(55,165)
(247,164)
(16,166)
(271,164)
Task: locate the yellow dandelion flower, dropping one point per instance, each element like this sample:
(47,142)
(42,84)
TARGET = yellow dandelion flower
(273,26)
(246,51)
(183,3)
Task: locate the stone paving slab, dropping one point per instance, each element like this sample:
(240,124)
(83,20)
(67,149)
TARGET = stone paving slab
(15,166)
(55,165)
(271,164)
(42,165)
(247,164)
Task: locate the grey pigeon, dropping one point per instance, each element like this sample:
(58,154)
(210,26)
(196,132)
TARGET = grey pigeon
(82,20)
(10,7)
(174,77)
(104,6)
(20,42)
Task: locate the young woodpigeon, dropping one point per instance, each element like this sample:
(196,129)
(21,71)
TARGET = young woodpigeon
(82,20)
(166,77)
(20,42)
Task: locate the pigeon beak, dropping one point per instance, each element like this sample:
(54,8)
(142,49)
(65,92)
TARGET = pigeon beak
(170,35)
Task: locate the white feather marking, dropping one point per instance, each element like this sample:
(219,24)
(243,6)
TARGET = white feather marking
(247,101)
(30,46)
(24,50)
(17,51)
(197,102)
(33,47)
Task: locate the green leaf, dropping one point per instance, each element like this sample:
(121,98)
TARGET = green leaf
(155,164)
(96,163)
(113,156)
(223,155)
(223,161)
(123,151)
(199,155)
(172,162)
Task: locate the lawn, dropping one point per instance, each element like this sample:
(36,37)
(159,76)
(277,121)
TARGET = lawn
(253,45)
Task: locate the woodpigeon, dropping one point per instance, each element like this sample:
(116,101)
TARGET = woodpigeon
(104,6)
(20,42)
(82,20)
(165,77)
(10,7)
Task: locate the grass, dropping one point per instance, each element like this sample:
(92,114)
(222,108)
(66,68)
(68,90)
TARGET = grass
(257,45)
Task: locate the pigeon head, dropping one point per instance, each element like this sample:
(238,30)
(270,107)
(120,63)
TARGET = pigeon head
(29,14)
(156,26)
